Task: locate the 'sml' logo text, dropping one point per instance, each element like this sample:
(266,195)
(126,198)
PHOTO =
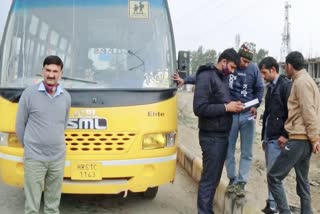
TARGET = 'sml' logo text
(87,123)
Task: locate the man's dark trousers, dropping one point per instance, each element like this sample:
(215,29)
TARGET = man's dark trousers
(296,153)
(214,148)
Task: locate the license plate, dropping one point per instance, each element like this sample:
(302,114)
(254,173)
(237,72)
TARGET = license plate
(86,171)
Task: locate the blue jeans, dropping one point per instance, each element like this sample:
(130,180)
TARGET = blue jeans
(246,126)
(214,150)
(272,151)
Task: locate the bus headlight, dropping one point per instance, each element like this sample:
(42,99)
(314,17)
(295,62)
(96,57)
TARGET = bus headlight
(171,139)
(4,139)
(159,140)
(13,140)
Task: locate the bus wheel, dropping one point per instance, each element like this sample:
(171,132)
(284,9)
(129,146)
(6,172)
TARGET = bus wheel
(150,193)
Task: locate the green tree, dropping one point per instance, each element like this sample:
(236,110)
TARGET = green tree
(260,55)
(201,57)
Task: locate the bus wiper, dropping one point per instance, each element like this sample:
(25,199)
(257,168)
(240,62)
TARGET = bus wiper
(74,79)
(137,66)
(80,80)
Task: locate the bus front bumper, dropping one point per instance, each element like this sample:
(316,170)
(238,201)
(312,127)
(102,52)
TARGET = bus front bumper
(117,176)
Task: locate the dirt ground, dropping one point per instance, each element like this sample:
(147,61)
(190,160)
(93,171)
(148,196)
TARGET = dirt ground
(177,198)
(257,184)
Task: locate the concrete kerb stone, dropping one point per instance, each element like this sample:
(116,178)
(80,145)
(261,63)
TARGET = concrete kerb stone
(196,169)
(188,160)
(223,202)
(180,156)
(220,196)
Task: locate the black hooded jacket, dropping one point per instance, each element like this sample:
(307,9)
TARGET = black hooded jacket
(210,96)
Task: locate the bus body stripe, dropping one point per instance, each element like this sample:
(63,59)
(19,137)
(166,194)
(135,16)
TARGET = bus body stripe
(107,162)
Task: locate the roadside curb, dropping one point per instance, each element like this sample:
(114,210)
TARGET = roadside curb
(224,202)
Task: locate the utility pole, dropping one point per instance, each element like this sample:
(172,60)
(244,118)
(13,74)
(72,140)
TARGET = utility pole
(286,44)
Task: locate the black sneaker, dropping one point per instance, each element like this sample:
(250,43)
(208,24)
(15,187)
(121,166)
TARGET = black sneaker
(269,210)
(265,209)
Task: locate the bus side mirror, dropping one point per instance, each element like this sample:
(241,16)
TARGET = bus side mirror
(184,61)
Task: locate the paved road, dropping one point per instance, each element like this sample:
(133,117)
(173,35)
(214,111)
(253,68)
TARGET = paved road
(177,198)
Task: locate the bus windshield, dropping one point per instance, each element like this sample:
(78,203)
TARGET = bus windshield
(103,43)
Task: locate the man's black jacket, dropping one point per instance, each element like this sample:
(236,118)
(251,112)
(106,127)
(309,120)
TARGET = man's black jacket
(276,109)
(210,96)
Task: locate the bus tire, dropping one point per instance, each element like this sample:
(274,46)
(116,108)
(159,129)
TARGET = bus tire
(150,193)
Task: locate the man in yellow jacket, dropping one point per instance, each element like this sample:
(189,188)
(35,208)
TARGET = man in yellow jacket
(303,127)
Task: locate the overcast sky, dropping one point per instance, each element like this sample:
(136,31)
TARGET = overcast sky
(215,23)
(4,7)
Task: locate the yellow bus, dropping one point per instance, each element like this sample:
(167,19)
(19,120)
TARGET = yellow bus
(119,56)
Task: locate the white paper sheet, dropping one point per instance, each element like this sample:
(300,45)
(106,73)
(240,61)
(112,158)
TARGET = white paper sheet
(251,103)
